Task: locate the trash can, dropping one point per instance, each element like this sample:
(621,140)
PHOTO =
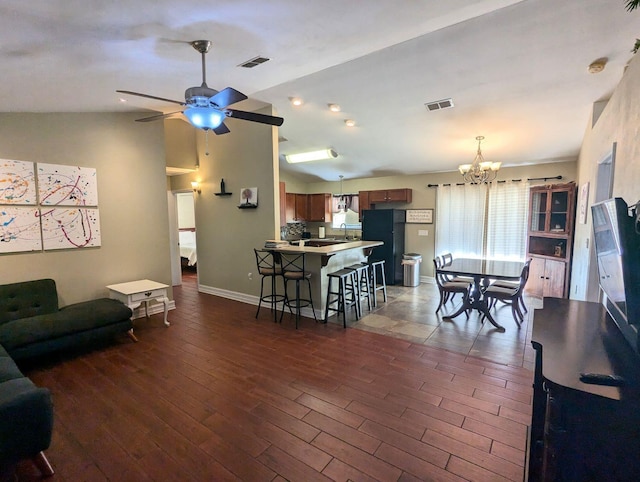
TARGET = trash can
(411,263)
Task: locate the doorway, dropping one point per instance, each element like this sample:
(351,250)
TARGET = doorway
(183,237)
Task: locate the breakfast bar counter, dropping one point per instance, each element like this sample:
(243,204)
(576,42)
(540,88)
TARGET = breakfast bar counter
(326,256)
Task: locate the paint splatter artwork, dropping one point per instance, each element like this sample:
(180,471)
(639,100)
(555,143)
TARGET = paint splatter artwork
(64,228)
(67,185)
(19,229)
(17,182)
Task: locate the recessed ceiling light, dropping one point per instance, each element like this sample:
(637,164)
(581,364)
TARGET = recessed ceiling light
(349,122)
(124,101)
(296,101)
(334,107)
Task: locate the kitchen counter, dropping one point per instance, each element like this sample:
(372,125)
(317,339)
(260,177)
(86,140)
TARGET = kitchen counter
(321,260)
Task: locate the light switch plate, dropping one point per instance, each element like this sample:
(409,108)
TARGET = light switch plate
(423,232)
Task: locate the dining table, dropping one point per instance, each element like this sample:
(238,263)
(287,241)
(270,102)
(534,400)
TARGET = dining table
(482,271)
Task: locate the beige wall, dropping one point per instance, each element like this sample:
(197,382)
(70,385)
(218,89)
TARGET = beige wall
(246,157)
(129,159)
(619,122)
(424,197)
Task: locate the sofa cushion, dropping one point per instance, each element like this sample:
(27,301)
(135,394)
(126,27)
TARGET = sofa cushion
(27,298)
(71,319)
(8,368)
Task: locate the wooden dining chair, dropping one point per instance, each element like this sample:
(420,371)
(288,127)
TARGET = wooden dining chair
(513,285)
(509,295)
(447,259)
(448,289)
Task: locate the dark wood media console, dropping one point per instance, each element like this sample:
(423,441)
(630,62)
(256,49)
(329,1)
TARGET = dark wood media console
(580,431)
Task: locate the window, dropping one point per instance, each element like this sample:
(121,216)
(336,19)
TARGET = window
(480,220)
(345,211)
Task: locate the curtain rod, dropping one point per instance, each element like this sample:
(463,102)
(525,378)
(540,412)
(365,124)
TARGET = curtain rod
(512,180)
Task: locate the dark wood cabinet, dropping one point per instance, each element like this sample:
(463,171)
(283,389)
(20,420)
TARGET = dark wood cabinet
(308,207)
(390,195)
(550,239)
(282,192)
(363,200)
(582,431)
(320,207)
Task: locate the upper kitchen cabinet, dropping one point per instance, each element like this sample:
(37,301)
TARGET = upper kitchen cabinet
(390,196)
(320,207)
(550,239)
(302,207)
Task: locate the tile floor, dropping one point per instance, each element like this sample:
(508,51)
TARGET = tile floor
(409,314)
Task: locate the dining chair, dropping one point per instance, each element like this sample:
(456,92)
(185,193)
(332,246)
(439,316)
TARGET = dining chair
(513,285)
(509,295)
(447,259)
(448,288)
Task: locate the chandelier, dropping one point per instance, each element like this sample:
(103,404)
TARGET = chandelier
(479,170)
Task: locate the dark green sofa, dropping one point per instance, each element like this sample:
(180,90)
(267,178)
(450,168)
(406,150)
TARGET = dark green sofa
(32,324)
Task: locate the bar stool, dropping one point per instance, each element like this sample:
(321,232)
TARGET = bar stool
(378,281)
(293,269)
(363,284)
(268,264)
(347,285)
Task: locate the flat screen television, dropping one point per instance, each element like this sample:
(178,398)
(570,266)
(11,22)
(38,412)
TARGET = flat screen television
(617,245)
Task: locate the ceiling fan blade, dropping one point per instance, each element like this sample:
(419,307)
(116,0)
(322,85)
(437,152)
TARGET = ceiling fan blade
(150,96)
(158,117)
(221,129)
(227,97)
(255,117)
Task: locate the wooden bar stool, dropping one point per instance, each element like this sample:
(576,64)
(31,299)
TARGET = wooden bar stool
(363,284)
(269,266)
(346,295)
(293,269)
(378,281)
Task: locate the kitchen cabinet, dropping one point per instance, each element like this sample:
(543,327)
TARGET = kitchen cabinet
(290,207)
(390,195)
(308,207)
(283,203)
(363,201)
(301,207)
(320,207)
(550,239)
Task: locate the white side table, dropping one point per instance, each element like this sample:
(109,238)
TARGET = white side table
(134,293)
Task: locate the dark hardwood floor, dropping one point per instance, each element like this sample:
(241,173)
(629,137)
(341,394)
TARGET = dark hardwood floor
(220,395)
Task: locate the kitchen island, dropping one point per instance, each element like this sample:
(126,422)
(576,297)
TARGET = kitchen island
(326,256)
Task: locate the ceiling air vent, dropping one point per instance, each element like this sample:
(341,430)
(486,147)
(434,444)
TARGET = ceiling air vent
(439,104)
(251,63)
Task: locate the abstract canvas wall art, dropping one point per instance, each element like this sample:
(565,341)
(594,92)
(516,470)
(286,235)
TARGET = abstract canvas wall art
(19,229)
(64,228)
(67,185)
(17,182)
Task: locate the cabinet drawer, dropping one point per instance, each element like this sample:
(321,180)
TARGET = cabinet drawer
(148,295)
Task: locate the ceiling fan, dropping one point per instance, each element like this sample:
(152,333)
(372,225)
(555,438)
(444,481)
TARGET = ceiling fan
(206,108)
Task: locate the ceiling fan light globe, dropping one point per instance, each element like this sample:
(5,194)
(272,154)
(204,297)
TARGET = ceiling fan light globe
(204,117)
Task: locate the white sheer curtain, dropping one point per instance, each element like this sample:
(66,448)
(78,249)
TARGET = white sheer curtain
(507,220)
(460,219)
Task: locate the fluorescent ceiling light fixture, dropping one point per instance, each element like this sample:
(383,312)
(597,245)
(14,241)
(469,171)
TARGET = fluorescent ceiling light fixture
(334,107)
(311,156)
(204,117)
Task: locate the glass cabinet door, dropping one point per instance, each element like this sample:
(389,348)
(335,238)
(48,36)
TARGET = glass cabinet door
(538,211)
(559,211)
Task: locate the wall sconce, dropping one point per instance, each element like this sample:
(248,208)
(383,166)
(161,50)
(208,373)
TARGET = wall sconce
(195,185)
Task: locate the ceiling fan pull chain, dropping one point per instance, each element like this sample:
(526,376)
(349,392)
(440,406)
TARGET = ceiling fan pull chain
(206,142)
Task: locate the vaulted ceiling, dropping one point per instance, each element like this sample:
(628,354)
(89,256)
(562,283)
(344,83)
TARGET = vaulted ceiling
(516,70)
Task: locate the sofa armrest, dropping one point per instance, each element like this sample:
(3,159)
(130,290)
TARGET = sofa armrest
(26,420)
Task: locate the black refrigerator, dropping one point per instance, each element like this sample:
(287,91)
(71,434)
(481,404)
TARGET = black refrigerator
(386,225)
